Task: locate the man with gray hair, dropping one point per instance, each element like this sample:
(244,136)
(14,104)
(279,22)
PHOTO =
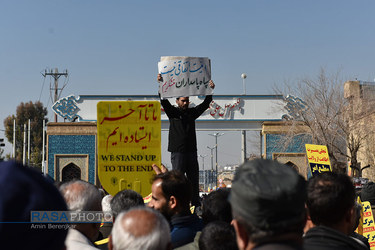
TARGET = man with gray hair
(106,228)
(82,196)
(140,228)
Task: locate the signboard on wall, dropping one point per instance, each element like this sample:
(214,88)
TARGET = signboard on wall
(129,142)
(238,111)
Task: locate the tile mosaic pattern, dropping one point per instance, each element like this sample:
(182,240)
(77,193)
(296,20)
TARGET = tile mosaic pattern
(72,144)
(275,144)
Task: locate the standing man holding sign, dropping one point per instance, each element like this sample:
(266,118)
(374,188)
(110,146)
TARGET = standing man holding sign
(182,142)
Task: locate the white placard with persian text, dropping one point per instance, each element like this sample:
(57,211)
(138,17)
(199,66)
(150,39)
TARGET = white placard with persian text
(184,76)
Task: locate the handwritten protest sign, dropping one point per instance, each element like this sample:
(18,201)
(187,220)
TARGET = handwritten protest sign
(129,142)
(318,158)
(184,76)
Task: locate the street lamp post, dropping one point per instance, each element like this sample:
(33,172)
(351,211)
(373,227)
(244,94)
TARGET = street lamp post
(243,154)
(243,151)
(216,135)
(204,173)
(243,76)
(212,164)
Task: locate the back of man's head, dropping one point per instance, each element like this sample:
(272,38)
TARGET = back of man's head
(268,200)
(106,203)
(23,190)
(124,200)
(174,183)
(215,206)
(218,235)
(329,198)
(140,228)
(368,193)
(81,196)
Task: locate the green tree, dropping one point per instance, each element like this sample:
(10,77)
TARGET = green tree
(36,112)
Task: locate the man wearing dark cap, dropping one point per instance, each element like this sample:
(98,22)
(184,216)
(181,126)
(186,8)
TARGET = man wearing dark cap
(268,206)
(23,190)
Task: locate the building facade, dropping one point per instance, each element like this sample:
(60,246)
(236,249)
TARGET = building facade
(72,146)
(285,141)
(361,116)
(71,151)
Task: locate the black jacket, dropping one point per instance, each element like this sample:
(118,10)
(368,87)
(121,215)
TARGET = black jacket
(279,246)
(184,229)
(324,238)
(182,137)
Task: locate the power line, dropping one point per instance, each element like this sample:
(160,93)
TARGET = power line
(40,95)
(66,81)
(56,75)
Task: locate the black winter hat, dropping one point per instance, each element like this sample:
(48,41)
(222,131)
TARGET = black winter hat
(268,194)
(368,193)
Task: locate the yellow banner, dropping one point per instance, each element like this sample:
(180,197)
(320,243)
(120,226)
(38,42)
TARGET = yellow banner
(359,229)
(368,224)
(318,158)
(129,142)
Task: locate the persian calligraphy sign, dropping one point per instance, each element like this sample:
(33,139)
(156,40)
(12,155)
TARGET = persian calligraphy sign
(359,228)
(318,158)
(368,224)
(129,142)
(184,76)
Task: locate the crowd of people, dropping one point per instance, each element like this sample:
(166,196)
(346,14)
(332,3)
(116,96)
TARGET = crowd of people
(269,206)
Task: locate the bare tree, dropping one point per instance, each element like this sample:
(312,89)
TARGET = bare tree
(320,105)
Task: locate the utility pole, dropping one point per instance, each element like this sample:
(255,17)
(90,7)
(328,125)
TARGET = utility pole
(43,147)
(28,145)
(216,135)
(56,75)
(24,145)
(14,139)
(260,143)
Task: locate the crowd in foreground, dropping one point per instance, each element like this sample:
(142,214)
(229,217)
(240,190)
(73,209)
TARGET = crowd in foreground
(270,206)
